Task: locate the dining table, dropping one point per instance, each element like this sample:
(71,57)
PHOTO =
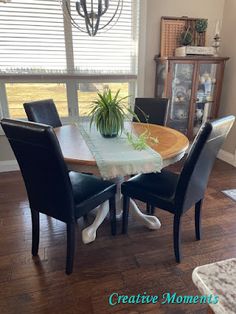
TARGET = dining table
(170,144)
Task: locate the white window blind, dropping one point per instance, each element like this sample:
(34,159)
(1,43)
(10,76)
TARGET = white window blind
(114,50)
(32,36)
(32,39)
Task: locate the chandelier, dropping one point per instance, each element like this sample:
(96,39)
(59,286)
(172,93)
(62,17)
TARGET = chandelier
(92,16)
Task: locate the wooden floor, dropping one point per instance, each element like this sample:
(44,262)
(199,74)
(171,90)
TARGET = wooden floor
(141,261)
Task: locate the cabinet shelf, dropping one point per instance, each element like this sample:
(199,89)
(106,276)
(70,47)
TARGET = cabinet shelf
(204,102)
(202,84)
(186,81)
(180,120)
(181,103)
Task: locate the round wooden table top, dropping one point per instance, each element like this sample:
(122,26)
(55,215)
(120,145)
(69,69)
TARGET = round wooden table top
(75,150)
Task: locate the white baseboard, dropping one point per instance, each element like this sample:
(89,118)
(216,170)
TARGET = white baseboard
(227,157)
(8,165)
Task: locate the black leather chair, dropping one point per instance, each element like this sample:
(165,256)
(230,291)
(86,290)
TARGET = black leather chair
(51,189)
(43,111)
(176,193)
(155,110)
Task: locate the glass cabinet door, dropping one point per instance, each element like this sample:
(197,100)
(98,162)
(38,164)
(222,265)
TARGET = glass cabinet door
(181,94)
(205,97)
(161,80)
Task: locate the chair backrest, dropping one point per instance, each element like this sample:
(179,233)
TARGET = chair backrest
(198,165)
(43,111)
(43,168)
(154,108)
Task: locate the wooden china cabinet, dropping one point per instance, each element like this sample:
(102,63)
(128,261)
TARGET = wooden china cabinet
(193,85)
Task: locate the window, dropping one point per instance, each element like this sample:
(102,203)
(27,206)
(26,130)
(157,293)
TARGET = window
(42,56)
(87,93)
(18,93)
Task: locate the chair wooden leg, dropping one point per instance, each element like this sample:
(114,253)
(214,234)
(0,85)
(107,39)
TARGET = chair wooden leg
(198,207)
(125,217)
(152,210)
(177,237)
(35,231)
(85,217)
(112,209)
(148,208)
(70,247)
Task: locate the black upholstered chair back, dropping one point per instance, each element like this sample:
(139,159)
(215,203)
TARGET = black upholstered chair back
(43,111)
(198,165)
(43,168)
(154,108)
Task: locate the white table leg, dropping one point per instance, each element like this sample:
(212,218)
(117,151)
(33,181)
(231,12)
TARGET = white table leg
(151,222)
(118,181)
(89,233)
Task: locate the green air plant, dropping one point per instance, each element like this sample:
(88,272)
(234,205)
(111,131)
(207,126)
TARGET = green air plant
(140,143)
(109,112)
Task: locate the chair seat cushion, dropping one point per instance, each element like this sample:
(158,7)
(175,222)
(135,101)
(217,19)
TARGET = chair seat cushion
(89,191)
(157,189)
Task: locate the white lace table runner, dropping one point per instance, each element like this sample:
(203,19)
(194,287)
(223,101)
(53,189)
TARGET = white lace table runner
(116,157)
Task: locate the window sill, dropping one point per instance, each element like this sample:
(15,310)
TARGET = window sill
(11,77)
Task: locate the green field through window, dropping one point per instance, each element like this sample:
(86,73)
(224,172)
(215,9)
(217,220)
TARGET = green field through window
(87,93)
(19,93)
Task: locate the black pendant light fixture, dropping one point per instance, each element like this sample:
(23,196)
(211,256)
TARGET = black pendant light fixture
(92,16)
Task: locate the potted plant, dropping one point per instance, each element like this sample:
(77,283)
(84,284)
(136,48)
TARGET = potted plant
(201,27)
(109,113)
(186,37)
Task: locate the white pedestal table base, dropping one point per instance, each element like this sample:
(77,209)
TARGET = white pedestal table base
(151,222)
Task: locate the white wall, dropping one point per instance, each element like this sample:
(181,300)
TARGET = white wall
(5,149)
(228,48)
